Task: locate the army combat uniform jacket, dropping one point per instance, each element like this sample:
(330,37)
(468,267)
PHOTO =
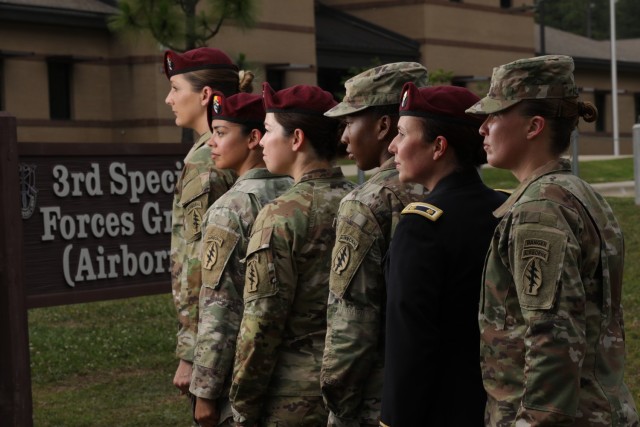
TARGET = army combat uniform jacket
(199,185)
(226,229)
(552,335)
(433,271)
(354,350)
(279,348)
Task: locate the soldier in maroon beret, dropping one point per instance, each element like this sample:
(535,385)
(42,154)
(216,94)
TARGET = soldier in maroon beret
(276,376)
(434,265)
(193,76)
(237,124)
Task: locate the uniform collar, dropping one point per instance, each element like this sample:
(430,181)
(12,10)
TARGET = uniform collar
(334,172)
(553,166)
(389,163)
(259,173)
(455,180)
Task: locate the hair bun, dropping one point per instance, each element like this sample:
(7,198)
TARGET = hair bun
(245,78)
(587,111)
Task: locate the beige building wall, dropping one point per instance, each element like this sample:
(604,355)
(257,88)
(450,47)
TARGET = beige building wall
(119,86)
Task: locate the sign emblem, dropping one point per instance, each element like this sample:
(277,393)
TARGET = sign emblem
(536,250)
(341,259)
(211,254)
(252,275)
(28,191)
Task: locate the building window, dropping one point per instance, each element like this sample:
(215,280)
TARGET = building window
(599,98)
(505,4)
(276,78)
(59,73)
(636,99)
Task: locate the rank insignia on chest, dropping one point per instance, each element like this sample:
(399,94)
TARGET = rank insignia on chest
(424,209)
(211,253)
(536,251)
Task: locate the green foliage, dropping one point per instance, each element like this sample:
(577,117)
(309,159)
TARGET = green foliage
(440,76)
(614,170)
(182,25)
(590,18)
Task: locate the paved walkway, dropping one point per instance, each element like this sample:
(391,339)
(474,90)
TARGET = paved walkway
(609,189)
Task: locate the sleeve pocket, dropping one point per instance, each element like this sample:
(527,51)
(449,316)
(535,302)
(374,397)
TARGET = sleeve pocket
(194,200)
(218,245)
(352,245)
(260,275)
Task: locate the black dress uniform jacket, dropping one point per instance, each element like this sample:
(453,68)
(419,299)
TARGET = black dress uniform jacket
(433,273)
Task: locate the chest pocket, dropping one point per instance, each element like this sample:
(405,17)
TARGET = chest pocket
(260,274)
(195,201)
(352,245)
(218,245)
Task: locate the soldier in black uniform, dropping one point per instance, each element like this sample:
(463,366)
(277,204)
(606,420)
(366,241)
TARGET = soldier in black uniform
(434,265)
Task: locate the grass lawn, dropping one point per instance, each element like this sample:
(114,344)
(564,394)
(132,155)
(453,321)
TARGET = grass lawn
(111,363)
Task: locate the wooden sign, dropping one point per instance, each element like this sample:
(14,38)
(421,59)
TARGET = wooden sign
(96,220)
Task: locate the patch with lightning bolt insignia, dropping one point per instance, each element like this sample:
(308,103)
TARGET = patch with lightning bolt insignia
(539,259)
(260,276)
(218,245)
(352,245)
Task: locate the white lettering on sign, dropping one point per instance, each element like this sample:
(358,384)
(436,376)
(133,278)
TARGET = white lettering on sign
(136,183)
(83,263)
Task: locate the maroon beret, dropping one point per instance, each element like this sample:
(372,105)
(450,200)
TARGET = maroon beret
(201,58)
(244,108)
(302,99)
(447,103)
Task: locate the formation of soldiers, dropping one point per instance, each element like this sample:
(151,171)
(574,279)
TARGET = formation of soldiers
(306,301)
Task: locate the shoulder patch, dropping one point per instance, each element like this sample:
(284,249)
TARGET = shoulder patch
(425,209)
(502,190)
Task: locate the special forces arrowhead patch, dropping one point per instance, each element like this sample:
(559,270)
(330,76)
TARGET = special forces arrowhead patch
(252,276)
(343,255)
(538,265)
(211,253)
(195,220)
(534,250)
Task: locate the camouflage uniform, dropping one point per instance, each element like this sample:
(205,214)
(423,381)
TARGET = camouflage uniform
(352,364)
(226,227)
(279,350)
(552,335)
(200,184)
(551,327)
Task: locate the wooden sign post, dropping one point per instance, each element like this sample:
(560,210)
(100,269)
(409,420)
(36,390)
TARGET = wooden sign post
(15,375)
(78,223)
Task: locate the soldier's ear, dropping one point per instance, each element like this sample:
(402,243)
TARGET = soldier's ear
(535,126)
(440,146)
(254,139)
(384,124)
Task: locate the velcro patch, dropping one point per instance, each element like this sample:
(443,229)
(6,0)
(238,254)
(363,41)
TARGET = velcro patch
(539,258)
(425,209)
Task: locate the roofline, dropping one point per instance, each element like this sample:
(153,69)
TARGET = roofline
(368,26)
(53,16)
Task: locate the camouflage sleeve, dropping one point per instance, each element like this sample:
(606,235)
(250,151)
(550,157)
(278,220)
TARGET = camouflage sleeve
(545,256)
(202,186)
(270,282)
(354,312)
(220,309)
